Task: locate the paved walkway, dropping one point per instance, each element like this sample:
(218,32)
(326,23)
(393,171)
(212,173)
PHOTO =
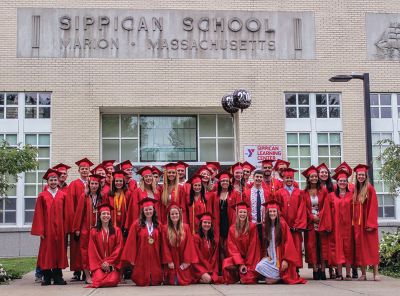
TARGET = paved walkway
(387,286)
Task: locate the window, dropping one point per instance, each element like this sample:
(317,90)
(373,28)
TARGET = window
(329,149)
(297,105)
(381,106)
(299,153)
(328,105)
(34,180)
(156,138)
(37,105)
(386,202)
(398,105)
(8,106)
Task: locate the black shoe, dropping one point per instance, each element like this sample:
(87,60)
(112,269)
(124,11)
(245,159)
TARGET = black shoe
(46,283)
(322,275)
(83,277)
(77,276)
(354,273)
(46,277)
(59,282)
(315,275)
(332,274)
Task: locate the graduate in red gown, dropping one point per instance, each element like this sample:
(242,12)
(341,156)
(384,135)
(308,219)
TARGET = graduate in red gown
(279,263)
(270,183)
(101,171)
(127,167)
(319,223)
(205,174)
(206,270)
(142,249)
(63,170)
(147,188)
(243,249)
(171,192)
(248,168)
(341,251)
(197,202)
(279,168)
(156,175)
(181,171)
(365,223)
(214,167)
(49,223)
(293,210)
(75,190)
(237,180)
(109,165)
(324,177)
(105,248)
(86,217)
(178,251)
(344,166)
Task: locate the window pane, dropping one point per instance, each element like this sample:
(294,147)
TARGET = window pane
(292,138)
(30,203)
(44,164)
(389,212)
(305,162)
(323,150)
(291,112)
(30,112)
(386,136)
(374,112)
(378,186)
(321,99)
(374,99)
(30,190)
(290,99)
(226,150)
(11,204)
(335,151)
(304,112)
(44,152)
(1,99)
(386,112)
(334,99)
(11,139)
(207,125)
(12,99)
(380,212)
(322,112)
(303,99)
(31,139)
(305,151)
(45,99)
(30,177)
(44,140)
(110,149)
(129,126)
(335,161)
(292,151)
(386,99)
(208,150)
(1,112)
(225,126)
(324,160)
(334,138)
(323,138)
(12,191)
(28,217)
(12,113)
(44,112)
(10,217)
(304,138)
(334,112)
(294,162)
(129,150)
(398,99)
(110,126)
(388,200)
(30,98)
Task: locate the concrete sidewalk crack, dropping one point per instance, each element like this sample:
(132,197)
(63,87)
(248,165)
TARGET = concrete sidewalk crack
(215,288)
(340,288)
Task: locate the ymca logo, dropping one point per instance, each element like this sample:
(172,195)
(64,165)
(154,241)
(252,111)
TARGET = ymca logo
(250,152)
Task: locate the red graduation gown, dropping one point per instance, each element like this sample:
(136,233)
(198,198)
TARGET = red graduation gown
(103,248)
(207,252)
(294,212)
(143,256)
(366,242)
(49,221)
(341,242)
(185,252)
(323,230)
(75,190)
(243,249)
(198,207)
(119,212)
(179,199)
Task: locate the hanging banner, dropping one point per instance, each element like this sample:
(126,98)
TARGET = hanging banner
(256,153)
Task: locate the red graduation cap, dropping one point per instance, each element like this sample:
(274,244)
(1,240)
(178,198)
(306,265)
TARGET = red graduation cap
(272,204)
(119,174)
(206,216)
(173,205)
(340,174)
(103,207)
(181,165)
(84,162)
(215,165)
(170,166)
(248,165)
(146,170)
(194,179)
(344,165)
(242,205)
(51,173)
(108,163)
(97,168)
(289,172)
(155,170)
(61,167)
(311,170)
(125,165)
(224,175)
(322,166)
(202,169)
(95,177)
(266,161)
(279,162)
(236,166)
(361,168)
(147,202)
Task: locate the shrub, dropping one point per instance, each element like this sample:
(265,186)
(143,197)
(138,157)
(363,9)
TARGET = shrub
(390,253)
(4,278)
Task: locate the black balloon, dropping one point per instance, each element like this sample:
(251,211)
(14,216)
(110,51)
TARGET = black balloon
(241,99)
(227,104)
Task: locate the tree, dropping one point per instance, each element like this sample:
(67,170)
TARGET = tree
(13,161)
(390,171)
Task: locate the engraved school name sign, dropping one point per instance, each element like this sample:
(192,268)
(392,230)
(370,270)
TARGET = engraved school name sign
(164,34)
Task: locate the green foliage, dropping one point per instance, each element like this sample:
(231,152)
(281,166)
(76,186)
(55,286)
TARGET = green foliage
(15,268)
(390,253)
(15,160)
(390,171)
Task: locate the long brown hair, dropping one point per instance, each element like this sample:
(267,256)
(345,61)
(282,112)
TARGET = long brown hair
(268,230)
(175,236)
(361,190)
(244,229)
(164,196)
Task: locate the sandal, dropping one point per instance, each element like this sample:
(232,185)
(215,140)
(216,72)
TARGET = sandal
(339,277)
(348,278)
(362,278)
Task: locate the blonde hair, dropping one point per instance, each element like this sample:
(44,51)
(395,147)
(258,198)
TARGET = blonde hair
(175,236)
(164,196)
(361,190)
(153,185)
(244,229)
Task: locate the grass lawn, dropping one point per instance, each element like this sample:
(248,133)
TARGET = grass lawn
(17,267)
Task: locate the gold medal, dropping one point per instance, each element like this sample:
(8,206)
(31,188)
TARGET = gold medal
(151,240)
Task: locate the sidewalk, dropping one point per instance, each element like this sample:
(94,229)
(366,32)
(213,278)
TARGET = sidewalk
(387,286)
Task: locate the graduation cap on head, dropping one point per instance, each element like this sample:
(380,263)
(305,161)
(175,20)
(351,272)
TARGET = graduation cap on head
(279,162)
(206,216)
(203,168)
(173,205)
(155,170)
(311,170)
(95,177)
(181,165)
(105,207)
(266,161)
(322,166)
(147,202)
(125,165)
(272,204)
(215,165)
(224,175)
(84,162)
(61,167)
(344,165)
(119,174)
(247,165)
(361,168)
(237,166)
(242,205)
(97,168)
(340,174)
(108,163)
(51,173)
(194,179)
(146,170)
(289,172)
(170,166)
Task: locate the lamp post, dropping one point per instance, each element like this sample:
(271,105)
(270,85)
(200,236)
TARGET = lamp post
(367,114)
